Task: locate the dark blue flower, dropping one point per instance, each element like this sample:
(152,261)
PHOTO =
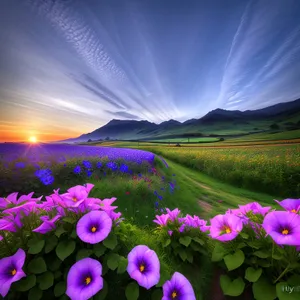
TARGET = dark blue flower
(124,168)
(87,164)
(47,180)
(43,173)
(112,165)
(140,175)
(77,170)
(89,173)
(162,189)
(156,204)
(65,165)
(99,164)
(160,197)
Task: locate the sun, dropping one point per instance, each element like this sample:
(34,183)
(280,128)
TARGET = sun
(32,139)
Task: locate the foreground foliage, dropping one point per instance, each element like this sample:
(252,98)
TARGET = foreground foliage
(75,245)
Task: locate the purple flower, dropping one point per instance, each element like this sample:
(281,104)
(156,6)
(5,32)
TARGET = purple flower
(162,220)
(84,279)
(283,227)
(178,288)
(11,223)
(173,214)
(94,227)
(253,207)
(292,205)
(170,232)
(144,266)
(105,204)
(225,227)
(47,224)
(11,270)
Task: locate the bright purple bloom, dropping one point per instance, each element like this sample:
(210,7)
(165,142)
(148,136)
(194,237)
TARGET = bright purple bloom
(170,232)
(225,227)
(11,223)
(11,199)
(144,266)
(84,279)
(162,220)
(292,205)
(94,227)
(173,214)
(105,204)
(283,227)
(76,195)
(253,207)
(11,270)
(178,288)
(47,224)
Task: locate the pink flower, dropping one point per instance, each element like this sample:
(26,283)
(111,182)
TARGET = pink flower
(162,220)
(173,214)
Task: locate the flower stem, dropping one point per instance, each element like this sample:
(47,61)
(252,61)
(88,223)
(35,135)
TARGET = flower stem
(283,273)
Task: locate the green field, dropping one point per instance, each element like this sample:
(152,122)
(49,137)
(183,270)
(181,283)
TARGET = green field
(187,140)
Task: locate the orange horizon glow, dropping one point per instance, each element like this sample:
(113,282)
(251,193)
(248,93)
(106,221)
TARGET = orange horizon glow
(17,136)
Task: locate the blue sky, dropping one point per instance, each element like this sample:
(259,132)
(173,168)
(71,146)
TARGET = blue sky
(68,67)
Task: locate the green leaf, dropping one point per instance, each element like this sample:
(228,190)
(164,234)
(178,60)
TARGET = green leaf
(35,294)
(218,253)
(83,253)
(74,234)
(60,289)
(253,244)
(111,242)
(113,261)
(182,254)
(199,241)
(233,261)
(103,293)
(241,245)
(25,283)
(164,276)
(37,266)
(157,295)
(261,254)
(59,231)
(189,257)
(35,246)
(185,240)
(253,275)
(69,220)
(232,288)
(54,265)
(122,266)
(277,256)
(46,280)
(244,235)
(166,243)
(57,274)
(132,291)
(263,290)
(65,249)
(99,250)
(51,243)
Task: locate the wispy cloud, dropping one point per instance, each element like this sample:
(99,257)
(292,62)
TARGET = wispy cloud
(77,64)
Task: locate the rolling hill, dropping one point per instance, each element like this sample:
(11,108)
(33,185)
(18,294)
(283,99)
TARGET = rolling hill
(218,122)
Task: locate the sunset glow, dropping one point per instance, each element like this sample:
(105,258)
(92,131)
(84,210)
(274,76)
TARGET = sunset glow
(32,139)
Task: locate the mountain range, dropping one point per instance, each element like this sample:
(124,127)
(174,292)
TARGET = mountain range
(218,122)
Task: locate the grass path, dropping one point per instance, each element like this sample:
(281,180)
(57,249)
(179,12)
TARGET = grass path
(210,194)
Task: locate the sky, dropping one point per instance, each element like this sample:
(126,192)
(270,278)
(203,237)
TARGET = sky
(68,67)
